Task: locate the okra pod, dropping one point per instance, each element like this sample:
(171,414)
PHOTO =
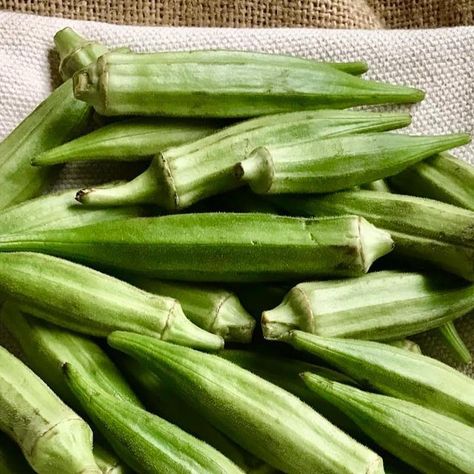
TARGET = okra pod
(336,163)
(379,185)
(52,437)
(273,424)
(396,372)
(146,442)
(442,177)
(454,341)
(369,308)
(12,460)
(427,440)
(224,84)
(90,302)
(128,140)
(407,345)
(216,246)
(211,308)
(422,229)
(181,176)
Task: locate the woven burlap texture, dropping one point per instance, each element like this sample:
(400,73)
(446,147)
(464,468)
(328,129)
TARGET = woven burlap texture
(257,13)
(439,62)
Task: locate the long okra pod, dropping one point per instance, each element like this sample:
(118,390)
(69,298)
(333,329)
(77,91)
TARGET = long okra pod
(90,302)
(422,438)
(52,437)
(12,460)
(369,308)
(212,308)
(272,423)
(181,176)
(396,372)
(331,164)
(217,246)
(147,443)
(224,84)
(422,229)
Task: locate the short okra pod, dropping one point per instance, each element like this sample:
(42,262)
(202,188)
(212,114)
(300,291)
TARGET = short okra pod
(273,424)
(336,163)
(183,175)
(427,440)
(146,442)
(52,437)
(90,302)
(211,308)
(369,308)
(396,372)
(216,246)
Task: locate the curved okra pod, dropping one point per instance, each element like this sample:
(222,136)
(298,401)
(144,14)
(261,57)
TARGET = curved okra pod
(90,302)
(181,176)
(272,423)
(422,438)
(369,308)
(128,140)
(224,84)
(12,460)
(215,247)
(336,163)
(211,308)
(442,177)
(52,437)
(422,229)
(146,442)
(396,372)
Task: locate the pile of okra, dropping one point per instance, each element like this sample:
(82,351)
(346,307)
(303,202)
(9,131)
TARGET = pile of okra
(246,303)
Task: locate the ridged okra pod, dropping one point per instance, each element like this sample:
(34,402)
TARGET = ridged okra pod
(442,177)
(224,84)
(422,229)
(12,460)
(90,302)
(216,246)
(52,437)
(273,424)
(147,443)
(396,372)
(181,176)
(336,163)
(427,440)
(385,305)
(211,308)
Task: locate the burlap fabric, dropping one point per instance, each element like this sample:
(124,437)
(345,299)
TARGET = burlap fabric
(258,13)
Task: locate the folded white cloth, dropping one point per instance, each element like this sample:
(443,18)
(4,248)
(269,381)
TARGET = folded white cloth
(439,61)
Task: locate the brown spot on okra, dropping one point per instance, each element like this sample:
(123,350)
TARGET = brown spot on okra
(82,193)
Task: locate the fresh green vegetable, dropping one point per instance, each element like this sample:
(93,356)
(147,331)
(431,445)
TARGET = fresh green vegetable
(52,437)
(216,246)
(12,460)
(211,308)
(423,438)
(181,176)
(455,342)
(263,418)
(331,164)
(408,345)
(422,229)
(379,185)
(385,305)
(108,462)
(147,443)
(396,372)
(84,300)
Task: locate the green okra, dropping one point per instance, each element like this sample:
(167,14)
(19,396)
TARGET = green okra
(454,341)
(183,175)
(52,437)
(422,229)
(224,84)
(379,185)
(211,308)
(108,462)
(408,345)
(266,420)
(127,140)
(396,372)
(90,302)
(429,441)
(336,163)
(216,246)
(385,305)
(442,177)
(146,442)
(12,460)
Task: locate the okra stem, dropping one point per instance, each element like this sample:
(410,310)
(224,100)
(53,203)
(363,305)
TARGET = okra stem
(455,343)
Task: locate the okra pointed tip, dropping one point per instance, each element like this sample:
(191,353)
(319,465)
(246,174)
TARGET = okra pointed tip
(256,170)
(375,243)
